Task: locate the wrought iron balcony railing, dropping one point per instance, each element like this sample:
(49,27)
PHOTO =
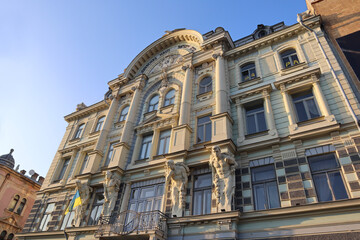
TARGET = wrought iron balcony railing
(129,221)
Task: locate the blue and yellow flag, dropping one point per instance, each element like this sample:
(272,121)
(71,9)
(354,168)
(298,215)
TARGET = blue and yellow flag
(76,201)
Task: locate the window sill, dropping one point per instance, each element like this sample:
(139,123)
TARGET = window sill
(257,134)
(250,83)
(311,121)
(204,96)
(74,140)
(201,144)
(294,68)
(167,108)
(139,161)
(119,124)
(94,133)
(149,114)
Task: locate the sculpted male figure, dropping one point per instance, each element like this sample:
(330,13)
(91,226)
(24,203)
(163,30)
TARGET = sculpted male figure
(223,167)
(84,191)
(111,189)
(178,178)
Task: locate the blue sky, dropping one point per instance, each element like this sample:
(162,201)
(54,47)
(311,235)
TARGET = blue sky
(56,54)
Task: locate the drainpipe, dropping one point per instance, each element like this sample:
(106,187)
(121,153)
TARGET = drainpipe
(343,94)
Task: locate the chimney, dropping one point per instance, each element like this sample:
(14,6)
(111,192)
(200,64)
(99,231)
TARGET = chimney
(23,172)
(34,176)
(41,180)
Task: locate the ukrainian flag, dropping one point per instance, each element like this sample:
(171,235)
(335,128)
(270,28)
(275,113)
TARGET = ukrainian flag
(76,201)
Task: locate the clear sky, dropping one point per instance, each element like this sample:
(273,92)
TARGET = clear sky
(56,54)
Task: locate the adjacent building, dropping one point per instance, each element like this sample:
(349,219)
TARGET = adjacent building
(203,137)
(17,196)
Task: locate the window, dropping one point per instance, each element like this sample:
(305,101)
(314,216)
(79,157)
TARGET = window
(153,104)
(327,178)
(13,203)
(255,118)
(164,142)
(262,33)
(110,153)
(289,58)
(124,114)
(169,98)
(67,220)
(84,163)
(205,85)
(10,237)
(305,106)
(46,217)
(203,129)
(21,206)
(202,194)
(79,131)
(99,123)
(248,72)
(3,235)
(265,187)
(63,169)
(96,207)
(146,147)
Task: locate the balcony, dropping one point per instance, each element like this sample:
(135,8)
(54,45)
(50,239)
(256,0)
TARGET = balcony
(130,225)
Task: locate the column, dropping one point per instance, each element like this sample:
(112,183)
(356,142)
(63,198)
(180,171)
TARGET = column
(287,103)
(324,108)
(186,96)
(241,126)
(220,85)
(269,116)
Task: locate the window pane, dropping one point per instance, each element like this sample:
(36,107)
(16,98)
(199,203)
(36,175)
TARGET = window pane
(161,146)
(203,181)
(147,192)
(207,201)
(200,134)
(259,196)
(197,203)
(261,121)
(337,185)
(250,124)
(323,162)
(300,110)
(203,119)
(263,173)
(245,76)
(322,187)
(252,73)
(208,132)
(273,195)
(313,111)
(294,59)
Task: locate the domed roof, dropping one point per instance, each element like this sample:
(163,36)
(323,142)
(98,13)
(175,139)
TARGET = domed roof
(7,159)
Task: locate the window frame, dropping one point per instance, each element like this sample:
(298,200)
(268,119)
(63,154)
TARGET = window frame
(305,105)
(84,163)
(284,54)
(64,166)
(166,146)
(153,106)
(203,191)
(12,208)
(109,155)
(98,205)
(43,226)
(198,125)
(99,123)
(169,100)
(265,184)
(68,217)
(206,87)
(247,67)
(79,131)
(21,207)
(123,116)
(326,171)
(258,104)
(148,143)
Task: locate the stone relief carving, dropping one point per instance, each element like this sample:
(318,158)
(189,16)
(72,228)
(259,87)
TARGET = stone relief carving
(223,168)
(166,62)
(111,189)
(84,191)
(178,178)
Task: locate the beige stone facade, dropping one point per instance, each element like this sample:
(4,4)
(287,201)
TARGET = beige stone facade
(266,110)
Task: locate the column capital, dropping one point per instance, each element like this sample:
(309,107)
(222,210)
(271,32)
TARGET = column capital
(282,88)
(314,79)
(187,66)
(216,55)
(265,93)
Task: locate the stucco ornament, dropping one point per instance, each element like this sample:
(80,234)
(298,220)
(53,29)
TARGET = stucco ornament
(84,191)
(111,189)
(223,168)
(178,178)
(167,62)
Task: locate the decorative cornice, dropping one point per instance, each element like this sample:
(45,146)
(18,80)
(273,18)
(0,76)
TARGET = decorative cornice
(311,73)
(251,92)
(86,111)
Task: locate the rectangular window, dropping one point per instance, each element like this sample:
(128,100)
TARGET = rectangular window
(67,220)
(164,142)
(202,194)
(265,188)
(96,207)
(327,178)
(46,217)
(109,155)
(63,169)
(84,163)
(255,119)
(203,129)
(146,147)
(305,106)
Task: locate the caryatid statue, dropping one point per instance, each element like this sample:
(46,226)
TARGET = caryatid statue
(223,167)
(84,191)
(178,178)
(111,190)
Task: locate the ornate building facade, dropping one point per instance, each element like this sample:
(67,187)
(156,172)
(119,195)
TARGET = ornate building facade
(203,137)
(17,196)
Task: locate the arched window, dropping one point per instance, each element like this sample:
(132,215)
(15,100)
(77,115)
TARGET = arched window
(289,58)
(10,237)
(153,104)
(13,203)
(124,114)
(248,72)
(21,206)
(169,98)
(3,235)
(99,123)
(79,131)
(262,33)
(205,85)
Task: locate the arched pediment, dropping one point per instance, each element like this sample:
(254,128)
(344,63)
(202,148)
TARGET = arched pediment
(185,40)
